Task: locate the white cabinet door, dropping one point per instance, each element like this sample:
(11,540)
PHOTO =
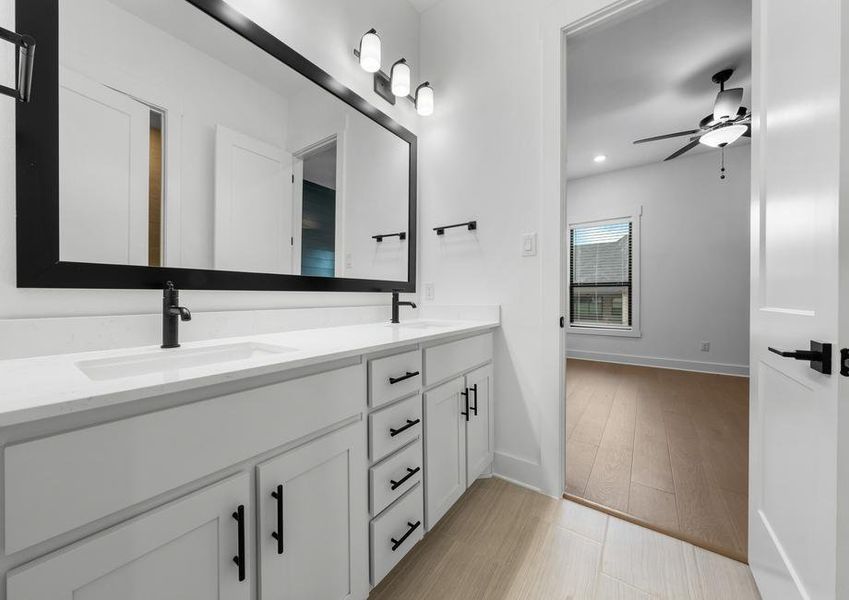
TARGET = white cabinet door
(479,429)
(316,546)
(445,449)
(181,551)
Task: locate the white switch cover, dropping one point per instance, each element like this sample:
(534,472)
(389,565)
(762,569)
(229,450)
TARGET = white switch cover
(529,244)
(428,291)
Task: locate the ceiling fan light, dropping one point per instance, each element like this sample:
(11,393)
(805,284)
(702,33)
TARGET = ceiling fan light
(722,136)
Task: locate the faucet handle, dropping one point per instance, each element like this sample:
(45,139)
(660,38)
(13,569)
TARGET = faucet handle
(169,285)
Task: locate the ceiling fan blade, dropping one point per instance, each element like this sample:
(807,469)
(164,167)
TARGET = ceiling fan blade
(727,104)
(667,136)
(681,151)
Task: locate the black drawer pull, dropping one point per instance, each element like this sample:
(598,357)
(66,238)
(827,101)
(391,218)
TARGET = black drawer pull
(412,527)
(475,407)
(409,375)
(394,432)
(239,559)
(400,482)
(278,535)
(465,394)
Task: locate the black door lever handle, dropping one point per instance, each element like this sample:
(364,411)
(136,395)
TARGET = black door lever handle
(819,356)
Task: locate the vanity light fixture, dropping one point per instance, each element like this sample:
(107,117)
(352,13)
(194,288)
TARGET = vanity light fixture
(424,99)
(369,51)
(399,75)
(399,81)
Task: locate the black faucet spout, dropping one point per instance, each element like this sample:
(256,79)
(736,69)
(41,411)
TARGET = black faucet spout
(172,314)
(396,304)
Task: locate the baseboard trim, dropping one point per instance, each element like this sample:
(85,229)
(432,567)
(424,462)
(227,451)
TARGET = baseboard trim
(661,363)
(732,554)
(516,470)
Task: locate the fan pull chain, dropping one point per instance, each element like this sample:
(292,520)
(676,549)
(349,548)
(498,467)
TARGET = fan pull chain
(722,169)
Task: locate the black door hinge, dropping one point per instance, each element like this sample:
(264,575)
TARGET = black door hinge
(844,362)
(562,322)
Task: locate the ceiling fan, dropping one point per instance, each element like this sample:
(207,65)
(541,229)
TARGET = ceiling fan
(728,122)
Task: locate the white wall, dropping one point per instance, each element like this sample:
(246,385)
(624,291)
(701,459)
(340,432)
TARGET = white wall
(694,276)
(481,156)
(325,32)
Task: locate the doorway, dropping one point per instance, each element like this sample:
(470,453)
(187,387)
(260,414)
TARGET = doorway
(657,247)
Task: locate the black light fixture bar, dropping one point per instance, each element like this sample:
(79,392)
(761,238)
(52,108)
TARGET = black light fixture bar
(25,53)
(401,235)
(383,85)
(471,225)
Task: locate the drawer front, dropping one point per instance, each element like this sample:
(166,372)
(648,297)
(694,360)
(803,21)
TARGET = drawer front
(394,377)
(395,532)
(392,478)
(455,358)
(394,427)
(58,483)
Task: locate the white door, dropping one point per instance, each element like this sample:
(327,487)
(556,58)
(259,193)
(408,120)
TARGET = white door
(104,164)
(480,428)
(795,298)
(181,551)
(317,545)
(445,449)
(253,204)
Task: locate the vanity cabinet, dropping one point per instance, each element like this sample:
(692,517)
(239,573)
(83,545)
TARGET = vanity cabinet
(309,484)
(183,550)
(313,539)
(459,425)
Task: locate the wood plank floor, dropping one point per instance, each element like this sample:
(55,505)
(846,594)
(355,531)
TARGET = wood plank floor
(503,542)
(668,448)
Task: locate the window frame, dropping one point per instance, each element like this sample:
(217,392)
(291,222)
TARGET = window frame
(634,330)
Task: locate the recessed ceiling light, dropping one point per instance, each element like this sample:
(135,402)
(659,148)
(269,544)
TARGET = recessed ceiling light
(600,158)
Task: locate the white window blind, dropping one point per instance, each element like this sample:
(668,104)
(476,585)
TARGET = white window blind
(601,274)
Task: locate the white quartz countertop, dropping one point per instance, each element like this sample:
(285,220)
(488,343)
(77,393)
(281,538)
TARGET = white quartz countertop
(49,386)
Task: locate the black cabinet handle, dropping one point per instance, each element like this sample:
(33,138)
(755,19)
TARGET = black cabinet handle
(278,535)
(475,407)
(410,472)
(819,356)
(409,375)
(239,559)
(412,527)
(394,432)
(465,394)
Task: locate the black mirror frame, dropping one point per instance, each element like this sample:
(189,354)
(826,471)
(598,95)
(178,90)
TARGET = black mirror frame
(38,263)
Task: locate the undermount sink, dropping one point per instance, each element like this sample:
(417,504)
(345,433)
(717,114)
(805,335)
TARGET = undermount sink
(172,361)
(422,324)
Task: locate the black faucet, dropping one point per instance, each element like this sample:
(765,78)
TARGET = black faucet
(171,310)
(396,303)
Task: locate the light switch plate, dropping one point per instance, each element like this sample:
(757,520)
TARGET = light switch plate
(429,291)
(529,244)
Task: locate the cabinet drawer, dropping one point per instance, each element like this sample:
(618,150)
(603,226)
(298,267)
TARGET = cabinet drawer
(58,483)
(455,358)
(394,427)
(394,377)
(390,479)
(395,532)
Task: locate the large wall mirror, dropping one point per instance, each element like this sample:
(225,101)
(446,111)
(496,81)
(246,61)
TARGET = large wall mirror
(176,139)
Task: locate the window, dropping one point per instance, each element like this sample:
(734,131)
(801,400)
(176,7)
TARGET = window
(601,277)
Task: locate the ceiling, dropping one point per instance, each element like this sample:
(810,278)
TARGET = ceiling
(650,74)
(423,5)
